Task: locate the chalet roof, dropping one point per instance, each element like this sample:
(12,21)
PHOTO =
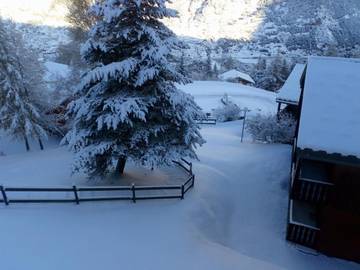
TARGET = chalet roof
(329,120)
(56,71)
(235,74)
(291,90)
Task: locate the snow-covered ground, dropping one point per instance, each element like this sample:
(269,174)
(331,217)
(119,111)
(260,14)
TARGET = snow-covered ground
(234,218)
(208,94)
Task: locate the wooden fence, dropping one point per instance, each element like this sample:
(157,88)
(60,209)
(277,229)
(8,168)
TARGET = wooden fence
(207,120)
(77,194)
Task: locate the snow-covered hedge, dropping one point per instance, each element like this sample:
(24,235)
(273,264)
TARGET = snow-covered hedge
(228,111)
(271,129)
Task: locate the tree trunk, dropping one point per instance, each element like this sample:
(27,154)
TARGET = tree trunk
(120,166)
(27,143)
(41,144)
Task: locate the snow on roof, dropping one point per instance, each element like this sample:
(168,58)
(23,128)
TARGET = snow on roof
(290,92)
(207,95)
(330,111)
(56,71)
(235,74)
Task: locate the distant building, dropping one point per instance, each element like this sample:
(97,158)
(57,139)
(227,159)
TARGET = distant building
(324,205)
(236,77)
(289,94)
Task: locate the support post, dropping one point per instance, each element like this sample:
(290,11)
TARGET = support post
(4,195)
(243,126)
(76,195)
(182,192)
(133,193)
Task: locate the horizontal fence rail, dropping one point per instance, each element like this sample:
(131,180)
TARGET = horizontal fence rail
(77,194)
(206,121)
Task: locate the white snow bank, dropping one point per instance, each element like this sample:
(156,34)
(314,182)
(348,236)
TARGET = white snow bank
(330,111)
(208,94)
(291,90)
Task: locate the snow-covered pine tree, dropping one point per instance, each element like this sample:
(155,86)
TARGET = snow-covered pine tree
(129,107)
(18,115)
(216,71)
(182,68)
(209,74)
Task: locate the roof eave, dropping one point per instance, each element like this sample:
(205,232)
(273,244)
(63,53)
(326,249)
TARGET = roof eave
(320,155)
(286,101)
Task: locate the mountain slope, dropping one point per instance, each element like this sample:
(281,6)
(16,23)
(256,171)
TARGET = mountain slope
(254,26)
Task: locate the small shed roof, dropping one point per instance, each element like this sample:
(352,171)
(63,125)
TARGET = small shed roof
(235,74)
(291,90)
(56,71)
(330,110)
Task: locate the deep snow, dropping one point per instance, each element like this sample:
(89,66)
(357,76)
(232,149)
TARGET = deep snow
(234,218)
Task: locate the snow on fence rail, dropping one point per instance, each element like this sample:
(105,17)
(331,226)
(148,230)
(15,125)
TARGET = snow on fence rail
(207,119)
(77,194)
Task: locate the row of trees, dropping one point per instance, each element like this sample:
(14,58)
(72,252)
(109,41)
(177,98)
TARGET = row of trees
(269,73)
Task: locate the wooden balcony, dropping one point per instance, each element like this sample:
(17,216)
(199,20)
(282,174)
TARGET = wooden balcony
(302,225)
(311,183)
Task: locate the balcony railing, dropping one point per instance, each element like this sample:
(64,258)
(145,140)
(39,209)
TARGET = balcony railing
(302,226)
(311,190)
(303,235)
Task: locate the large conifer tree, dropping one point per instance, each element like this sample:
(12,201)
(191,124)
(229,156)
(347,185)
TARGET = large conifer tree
(129,107)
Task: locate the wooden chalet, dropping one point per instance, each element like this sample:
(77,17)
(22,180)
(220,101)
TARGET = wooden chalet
(324,204)
(289,95)
(236,76)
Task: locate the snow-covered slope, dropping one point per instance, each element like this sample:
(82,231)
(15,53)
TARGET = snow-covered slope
(42,23)
(35,12)
(259,26)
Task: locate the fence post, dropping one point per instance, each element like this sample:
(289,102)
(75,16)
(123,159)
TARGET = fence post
(76,195)
(191,171)
(182,191)
(4,195)
(193,181)
(133,193)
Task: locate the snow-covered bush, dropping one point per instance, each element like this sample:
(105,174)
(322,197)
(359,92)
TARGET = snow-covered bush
(228,111)
(271,128)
